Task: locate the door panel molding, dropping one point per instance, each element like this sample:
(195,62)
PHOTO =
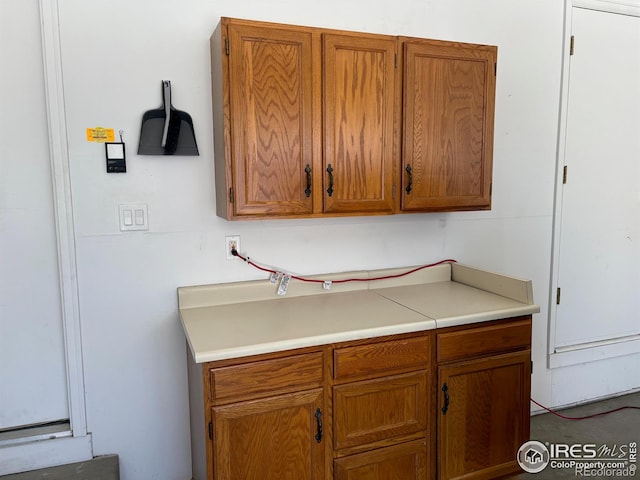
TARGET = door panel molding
(76,445)
(599,348)
(63,212)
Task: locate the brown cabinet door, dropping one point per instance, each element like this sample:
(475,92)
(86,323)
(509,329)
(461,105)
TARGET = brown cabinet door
(270,439)
(401,462)
(483,416)
(359,86)
(270,75)
(379,410)
(449,95)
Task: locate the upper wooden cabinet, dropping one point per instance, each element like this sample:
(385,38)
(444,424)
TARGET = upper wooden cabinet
(311,122)
(268,79)
(358,98)
(448,109)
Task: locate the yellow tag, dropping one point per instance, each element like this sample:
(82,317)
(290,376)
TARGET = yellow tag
(100,134)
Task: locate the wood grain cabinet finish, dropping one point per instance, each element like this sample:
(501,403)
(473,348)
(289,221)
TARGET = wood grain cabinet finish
(269,74)
(267,377)
(376,359)
(446,404)
(460,344)
(265,417)
(449,96)
(359,90)
(269,439)
(380,410)
(311,122)
(285,89)
(400,462)
(483,403)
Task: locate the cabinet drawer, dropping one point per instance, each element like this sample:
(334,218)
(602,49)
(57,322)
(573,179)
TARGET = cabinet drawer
(267,377)
(476,341)
(381,357)
(407,462)
(375,410)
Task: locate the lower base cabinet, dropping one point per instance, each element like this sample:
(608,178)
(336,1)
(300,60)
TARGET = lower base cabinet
(276,438)
(448,404)
(483,406)
(400,462)
(482,422)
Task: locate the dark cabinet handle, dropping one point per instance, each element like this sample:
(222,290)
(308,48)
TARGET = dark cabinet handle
(330,172)
(307,191)
(410,182)
(445,389)
(318,416)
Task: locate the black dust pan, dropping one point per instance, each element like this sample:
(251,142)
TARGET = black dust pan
(167,131)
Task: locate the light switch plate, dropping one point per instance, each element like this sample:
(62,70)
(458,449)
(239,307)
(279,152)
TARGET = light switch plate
(133,216)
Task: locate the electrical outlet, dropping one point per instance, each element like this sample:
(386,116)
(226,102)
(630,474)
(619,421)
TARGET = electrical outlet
(231,242)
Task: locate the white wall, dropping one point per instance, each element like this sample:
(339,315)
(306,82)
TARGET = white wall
(114,57)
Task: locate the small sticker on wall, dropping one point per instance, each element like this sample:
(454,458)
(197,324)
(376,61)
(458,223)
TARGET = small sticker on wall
(100,134)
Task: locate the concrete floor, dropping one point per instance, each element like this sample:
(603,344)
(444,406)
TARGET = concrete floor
(619,428)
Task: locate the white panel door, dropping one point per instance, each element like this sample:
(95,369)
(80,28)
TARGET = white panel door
(33,382)
(599,253)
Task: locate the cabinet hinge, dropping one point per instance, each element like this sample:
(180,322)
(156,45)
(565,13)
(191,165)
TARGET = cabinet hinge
(572,44)
(210,431)
(230,194)
(558,296)
(531,367)
(495,69)
(226,46)
(564,175)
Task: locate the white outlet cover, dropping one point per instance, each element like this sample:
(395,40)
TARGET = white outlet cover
(228,239)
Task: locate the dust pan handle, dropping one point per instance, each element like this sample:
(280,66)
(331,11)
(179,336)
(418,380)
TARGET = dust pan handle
(166,95)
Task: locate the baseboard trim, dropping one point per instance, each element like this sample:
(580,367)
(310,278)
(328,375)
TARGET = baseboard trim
(26,457)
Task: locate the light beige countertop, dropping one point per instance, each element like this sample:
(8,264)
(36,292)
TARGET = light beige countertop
(232,320)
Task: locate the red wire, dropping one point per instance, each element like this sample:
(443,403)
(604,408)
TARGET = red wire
(386,277)
(344,280)
(583,418)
